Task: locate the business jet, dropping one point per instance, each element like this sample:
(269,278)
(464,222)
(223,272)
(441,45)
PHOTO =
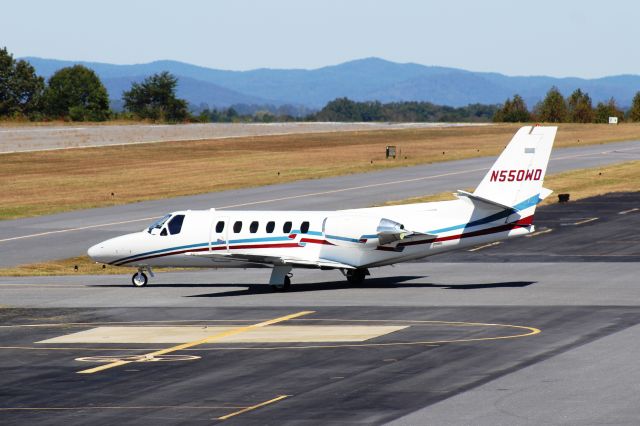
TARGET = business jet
(351,241)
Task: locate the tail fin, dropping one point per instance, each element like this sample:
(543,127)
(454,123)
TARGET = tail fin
(517,175)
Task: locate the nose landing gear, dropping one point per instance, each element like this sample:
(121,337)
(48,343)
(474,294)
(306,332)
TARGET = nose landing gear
(139,279)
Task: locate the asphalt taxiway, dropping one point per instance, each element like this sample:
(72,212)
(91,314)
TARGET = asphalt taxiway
(440,353)
(449,340)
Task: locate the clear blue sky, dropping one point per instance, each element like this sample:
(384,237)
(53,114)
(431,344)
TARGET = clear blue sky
(558,38)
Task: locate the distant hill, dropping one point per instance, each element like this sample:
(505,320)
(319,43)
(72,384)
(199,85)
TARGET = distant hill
(361,80)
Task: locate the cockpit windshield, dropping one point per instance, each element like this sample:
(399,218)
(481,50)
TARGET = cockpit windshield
(158,223)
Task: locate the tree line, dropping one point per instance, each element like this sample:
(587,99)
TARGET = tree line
(344,109)
(347,110)
(576,108)
(76,93)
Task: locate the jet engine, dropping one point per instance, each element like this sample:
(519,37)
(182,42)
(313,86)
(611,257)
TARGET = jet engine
(367,231)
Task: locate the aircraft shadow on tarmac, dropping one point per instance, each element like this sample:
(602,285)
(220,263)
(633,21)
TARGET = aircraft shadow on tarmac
(372,283)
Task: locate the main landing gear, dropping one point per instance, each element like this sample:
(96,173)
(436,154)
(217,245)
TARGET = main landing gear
(356,276)
(280,278)
(139,279)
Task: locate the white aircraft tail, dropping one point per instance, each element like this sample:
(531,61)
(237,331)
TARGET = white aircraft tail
(515,179)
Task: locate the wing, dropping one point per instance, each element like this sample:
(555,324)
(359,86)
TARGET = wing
(274,260)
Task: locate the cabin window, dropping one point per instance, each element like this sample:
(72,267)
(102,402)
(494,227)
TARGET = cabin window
(304,227)
(237,227)
(253,228)
(220,226)
(164,232)
(286,228)
(270,227)
(175,225)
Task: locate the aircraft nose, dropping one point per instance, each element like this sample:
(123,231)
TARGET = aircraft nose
(97,252)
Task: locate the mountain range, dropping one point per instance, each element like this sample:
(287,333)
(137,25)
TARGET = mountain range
(362,80)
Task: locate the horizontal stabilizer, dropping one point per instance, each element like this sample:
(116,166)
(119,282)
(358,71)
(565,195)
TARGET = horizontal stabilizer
(485,201)
(544,193)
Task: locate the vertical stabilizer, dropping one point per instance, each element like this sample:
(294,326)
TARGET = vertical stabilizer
(518,174)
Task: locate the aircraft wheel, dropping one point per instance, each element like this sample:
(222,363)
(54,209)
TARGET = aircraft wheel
(283,287)
(356,276)
(139,279)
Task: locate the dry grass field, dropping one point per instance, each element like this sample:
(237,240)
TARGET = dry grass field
(81,265)
(47,182)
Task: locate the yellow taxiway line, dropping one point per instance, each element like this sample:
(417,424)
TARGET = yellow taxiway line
(485,246)
(209,339)
(253,407)
(582,222)
(544,231)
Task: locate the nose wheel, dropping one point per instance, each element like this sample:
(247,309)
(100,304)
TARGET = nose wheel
(139,279)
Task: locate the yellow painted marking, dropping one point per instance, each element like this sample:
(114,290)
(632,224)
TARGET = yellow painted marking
(209,339)
(586,221)
(580,222)
(629,211)
(485,246)
(532,331)
(253,407)
(546,231)
(273,334)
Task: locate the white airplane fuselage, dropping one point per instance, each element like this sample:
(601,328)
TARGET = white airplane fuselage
(454,224)
(501,207)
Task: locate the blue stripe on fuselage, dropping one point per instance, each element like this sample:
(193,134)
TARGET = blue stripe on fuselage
(213,243)
(500,215)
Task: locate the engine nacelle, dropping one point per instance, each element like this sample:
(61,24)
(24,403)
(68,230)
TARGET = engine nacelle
(361,231)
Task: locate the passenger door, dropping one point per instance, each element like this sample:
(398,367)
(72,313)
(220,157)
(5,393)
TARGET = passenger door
(219,237)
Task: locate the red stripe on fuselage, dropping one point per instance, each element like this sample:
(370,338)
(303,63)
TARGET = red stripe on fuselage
(521,223)
(316,241)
